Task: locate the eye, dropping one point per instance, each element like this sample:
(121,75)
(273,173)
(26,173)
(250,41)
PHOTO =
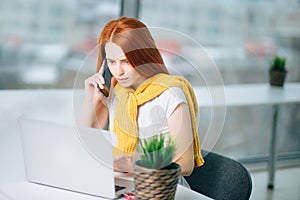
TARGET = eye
(110,62)
(125,62)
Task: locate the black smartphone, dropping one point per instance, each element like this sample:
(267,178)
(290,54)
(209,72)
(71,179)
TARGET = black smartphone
(107,78)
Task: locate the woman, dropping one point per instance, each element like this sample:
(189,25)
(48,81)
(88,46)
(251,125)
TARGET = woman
(144,99)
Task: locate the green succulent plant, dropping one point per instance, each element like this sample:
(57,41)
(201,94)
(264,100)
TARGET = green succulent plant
(278,63)
(156,152)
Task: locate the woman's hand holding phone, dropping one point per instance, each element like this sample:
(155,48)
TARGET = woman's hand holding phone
(93,86)
(92,102)
(98,85)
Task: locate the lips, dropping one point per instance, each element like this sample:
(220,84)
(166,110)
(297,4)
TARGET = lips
(122,79)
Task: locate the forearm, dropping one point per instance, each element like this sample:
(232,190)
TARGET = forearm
(93,116)
(87,115)
(186,162)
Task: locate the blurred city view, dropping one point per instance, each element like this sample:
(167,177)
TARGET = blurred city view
(43,44)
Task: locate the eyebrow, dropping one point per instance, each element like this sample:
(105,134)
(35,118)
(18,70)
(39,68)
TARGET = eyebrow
(124,59)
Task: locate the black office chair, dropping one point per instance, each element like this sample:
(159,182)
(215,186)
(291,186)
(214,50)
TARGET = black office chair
(221,178)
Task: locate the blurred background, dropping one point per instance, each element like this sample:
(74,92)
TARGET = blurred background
(44,43)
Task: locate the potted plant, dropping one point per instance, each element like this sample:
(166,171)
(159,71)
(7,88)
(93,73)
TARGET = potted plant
(277,71)
(155,175)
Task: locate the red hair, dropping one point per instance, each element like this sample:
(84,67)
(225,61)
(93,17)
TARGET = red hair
(136,41)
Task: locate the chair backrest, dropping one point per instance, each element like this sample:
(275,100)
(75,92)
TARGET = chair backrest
(221,178)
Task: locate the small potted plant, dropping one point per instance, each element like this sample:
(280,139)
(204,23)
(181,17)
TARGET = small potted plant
(155,175)
(277,71)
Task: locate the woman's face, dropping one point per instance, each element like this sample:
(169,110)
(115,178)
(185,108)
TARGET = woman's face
(120,67)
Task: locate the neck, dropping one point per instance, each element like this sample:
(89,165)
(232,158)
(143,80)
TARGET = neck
(138,83)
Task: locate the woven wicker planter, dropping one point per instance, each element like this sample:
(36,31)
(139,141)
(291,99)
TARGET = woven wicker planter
(277,78)
(156,183)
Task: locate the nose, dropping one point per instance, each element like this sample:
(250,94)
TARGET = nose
(120,70)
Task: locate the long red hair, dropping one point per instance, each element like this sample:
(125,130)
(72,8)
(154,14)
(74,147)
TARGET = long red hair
(136,41)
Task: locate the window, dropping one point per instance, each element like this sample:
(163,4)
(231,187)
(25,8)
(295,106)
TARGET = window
(36,30)
(241,37)
(251,31)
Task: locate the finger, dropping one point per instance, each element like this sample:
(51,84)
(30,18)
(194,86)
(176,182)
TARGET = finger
(99,82)
(101,78)
(92,82)
(98,79)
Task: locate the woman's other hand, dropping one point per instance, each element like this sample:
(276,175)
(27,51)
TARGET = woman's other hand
(124,163)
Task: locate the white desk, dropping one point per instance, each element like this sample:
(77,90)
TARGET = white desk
(54,105)
(249,95)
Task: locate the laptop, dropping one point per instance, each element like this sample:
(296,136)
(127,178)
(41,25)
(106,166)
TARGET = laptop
(71,158)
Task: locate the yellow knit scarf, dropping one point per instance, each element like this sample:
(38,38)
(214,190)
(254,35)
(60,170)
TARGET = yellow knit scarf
(128,101)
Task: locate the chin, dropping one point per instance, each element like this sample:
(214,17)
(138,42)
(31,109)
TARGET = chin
(125,84)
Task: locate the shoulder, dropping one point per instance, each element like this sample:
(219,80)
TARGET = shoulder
(173,93)
(171,98)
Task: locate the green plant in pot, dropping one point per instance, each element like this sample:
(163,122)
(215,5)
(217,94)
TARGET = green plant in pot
(277,71)
(155,175)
